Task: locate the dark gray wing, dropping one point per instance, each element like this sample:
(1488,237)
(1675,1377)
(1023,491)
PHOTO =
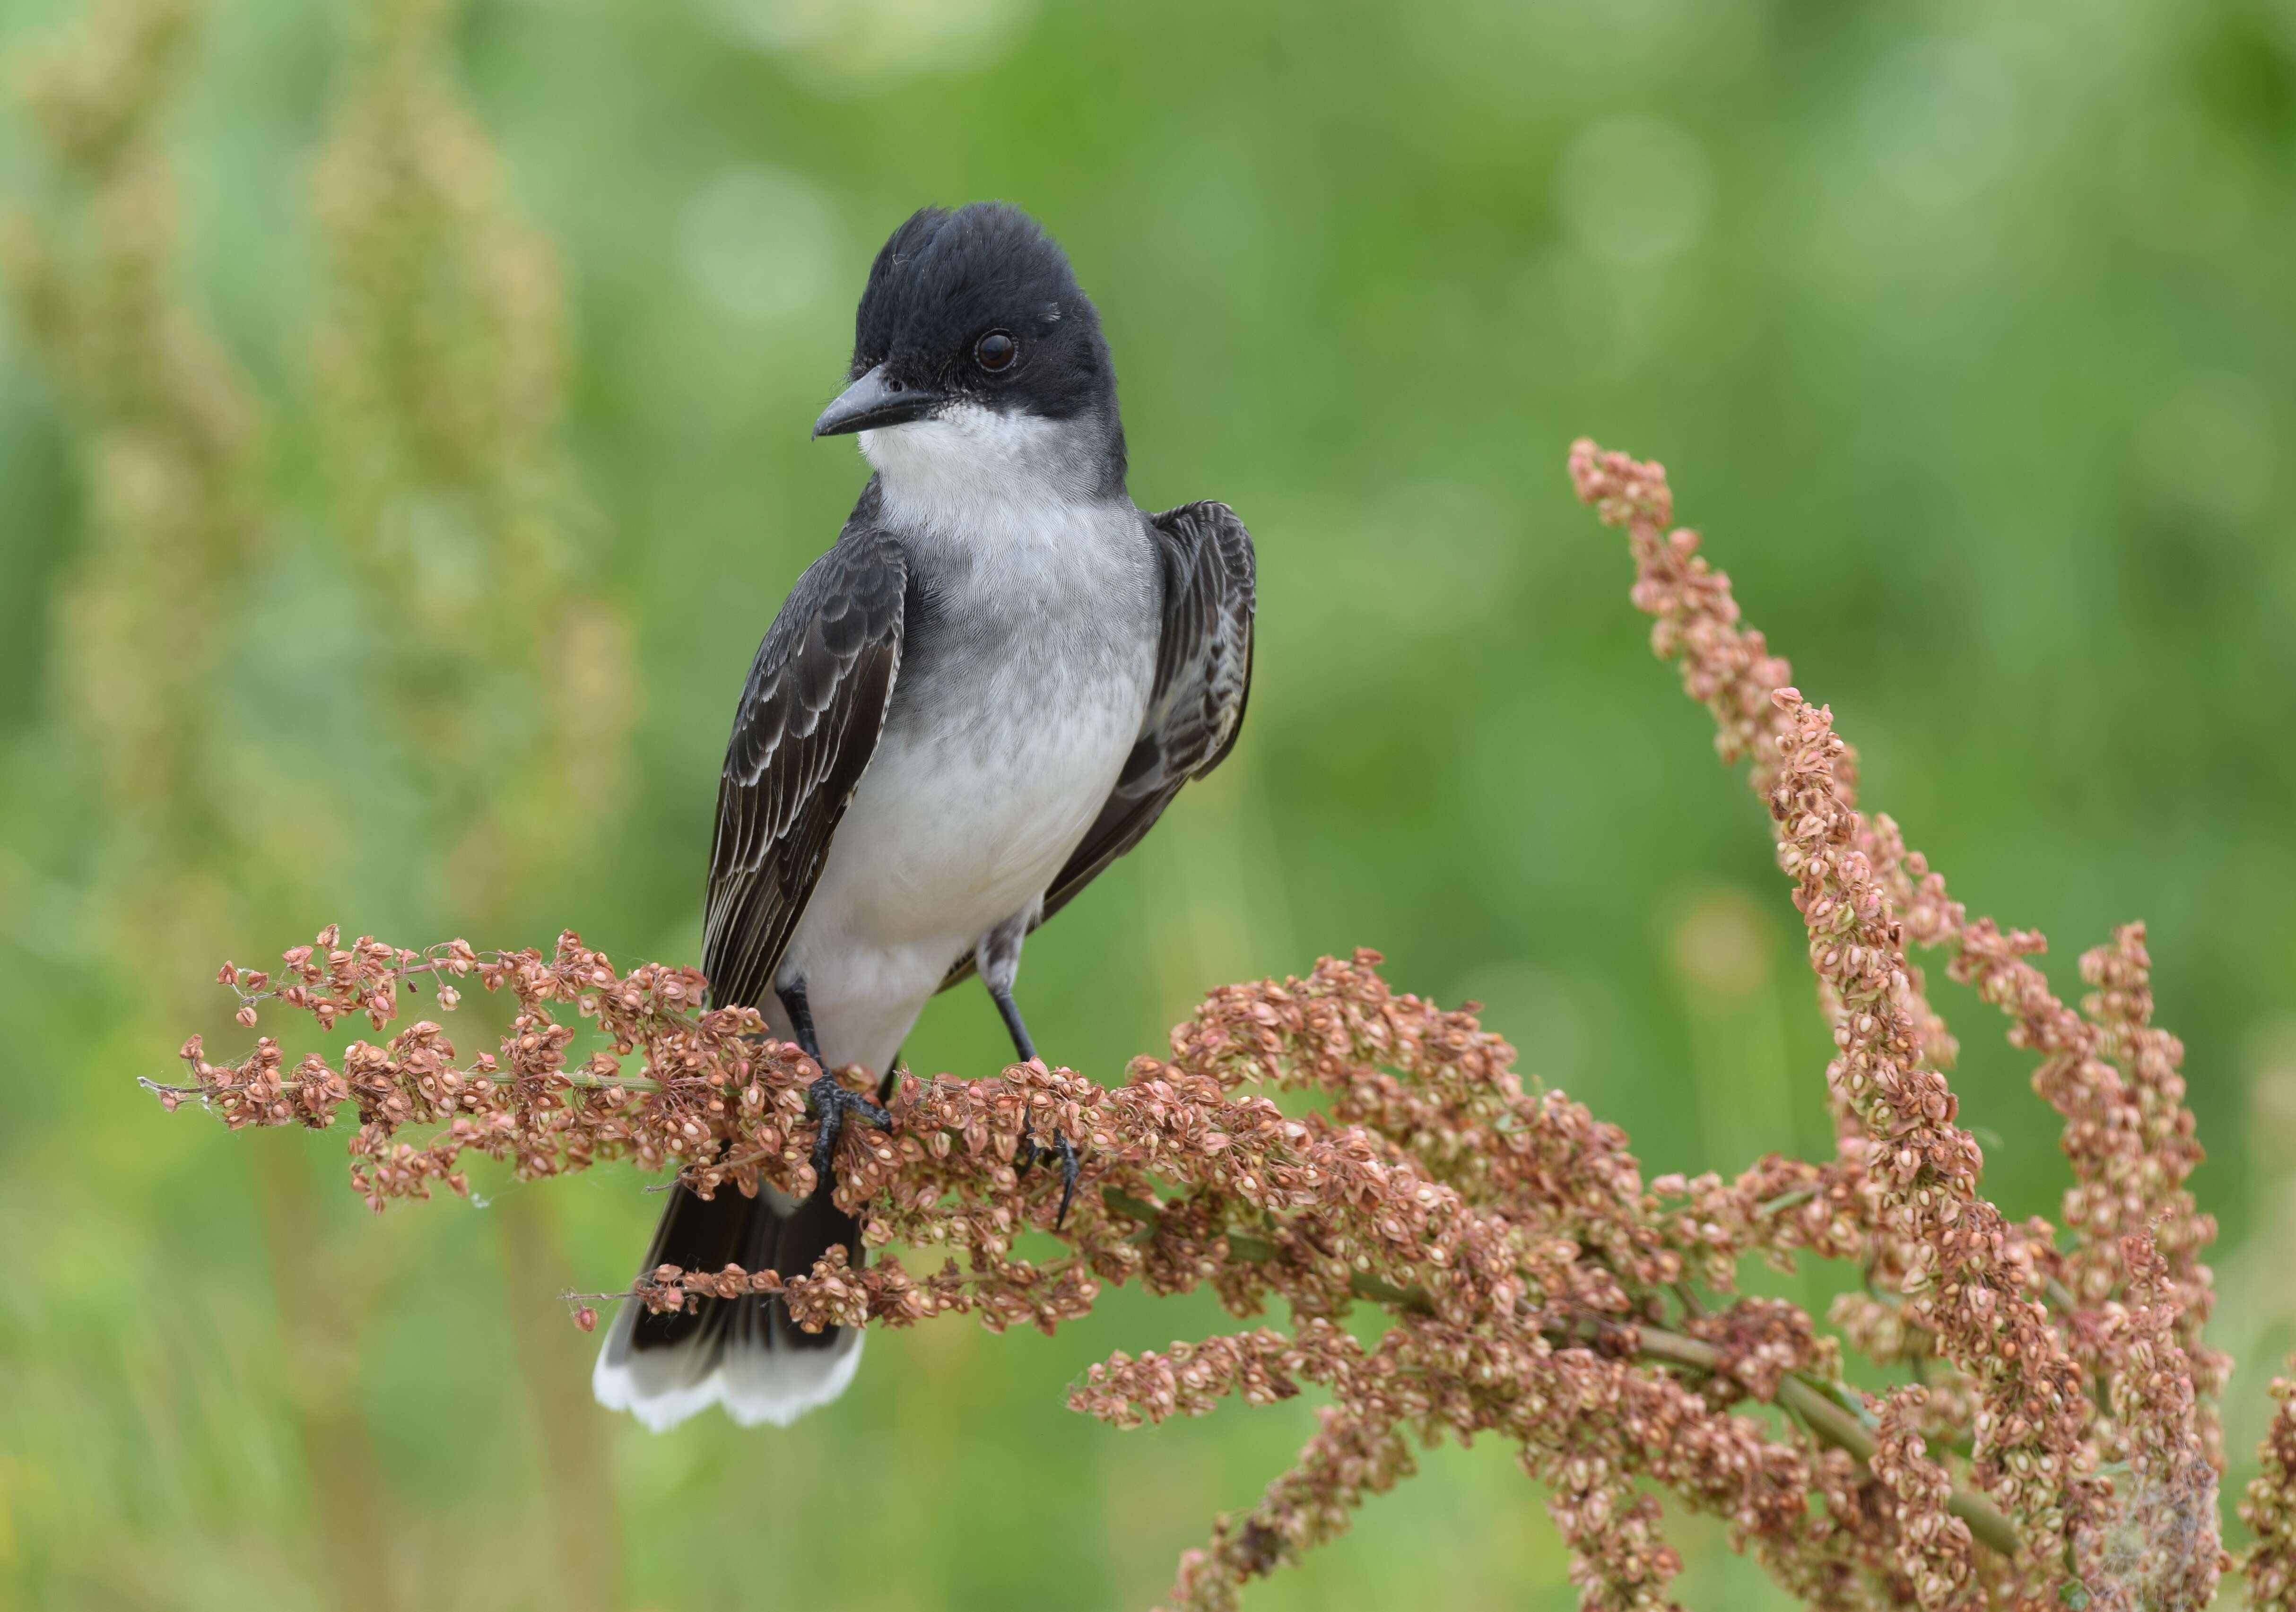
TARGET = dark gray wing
(1195,707)
(808,723)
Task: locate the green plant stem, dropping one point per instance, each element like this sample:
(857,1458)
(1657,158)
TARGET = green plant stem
(579,1079)
(1830,1421)
(1835,1424)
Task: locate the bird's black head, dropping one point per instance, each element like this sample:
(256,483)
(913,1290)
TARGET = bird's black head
(974,320)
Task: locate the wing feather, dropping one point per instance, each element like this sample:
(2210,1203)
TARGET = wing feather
(807,724)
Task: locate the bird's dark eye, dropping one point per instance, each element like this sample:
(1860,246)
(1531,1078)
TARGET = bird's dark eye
(995,351)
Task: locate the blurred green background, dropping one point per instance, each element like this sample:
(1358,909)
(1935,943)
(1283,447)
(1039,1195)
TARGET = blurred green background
(1965,332)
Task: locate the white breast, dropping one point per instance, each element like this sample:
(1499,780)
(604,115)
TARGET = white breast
(1009,724)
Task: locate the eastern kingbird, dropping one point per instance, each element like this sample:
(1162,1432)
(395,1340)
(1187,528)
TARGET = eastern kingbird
(985,692)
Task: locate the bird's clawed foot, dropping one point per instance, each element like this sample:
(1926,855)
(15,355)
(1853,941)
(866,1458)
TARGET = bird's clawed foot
(832,1103)
(1059,1151)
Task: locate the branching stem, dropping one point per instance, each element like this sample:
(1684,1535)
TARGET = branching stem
(1829,1421)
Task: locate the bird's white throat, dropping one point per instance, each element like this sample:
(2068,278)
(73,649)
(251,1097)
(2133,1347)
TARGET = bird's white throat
(969,468)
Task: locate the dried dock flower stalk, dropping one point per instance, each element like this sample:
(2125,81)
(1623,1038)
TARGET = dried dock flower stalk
(2061,1451)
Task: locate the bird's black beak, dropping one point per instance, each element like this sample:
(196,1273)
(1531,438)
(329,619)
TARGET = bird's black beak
(875,399)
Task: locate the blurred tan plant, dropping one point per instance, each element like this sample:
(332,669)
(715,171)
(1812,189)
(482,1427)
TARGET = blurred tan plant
(170,456)
(2058,1451)
(441,380)
(167,445)
(441,354)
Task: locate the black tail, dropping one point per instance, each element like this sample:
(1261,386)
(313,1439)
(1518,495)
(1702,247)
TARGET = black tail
(744,1353)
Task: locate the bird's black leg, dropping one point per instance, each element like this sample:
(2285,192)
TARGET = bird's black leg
(800,1014)
(832,1102)
(998,955)
(1061,1152)
(1002,996)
